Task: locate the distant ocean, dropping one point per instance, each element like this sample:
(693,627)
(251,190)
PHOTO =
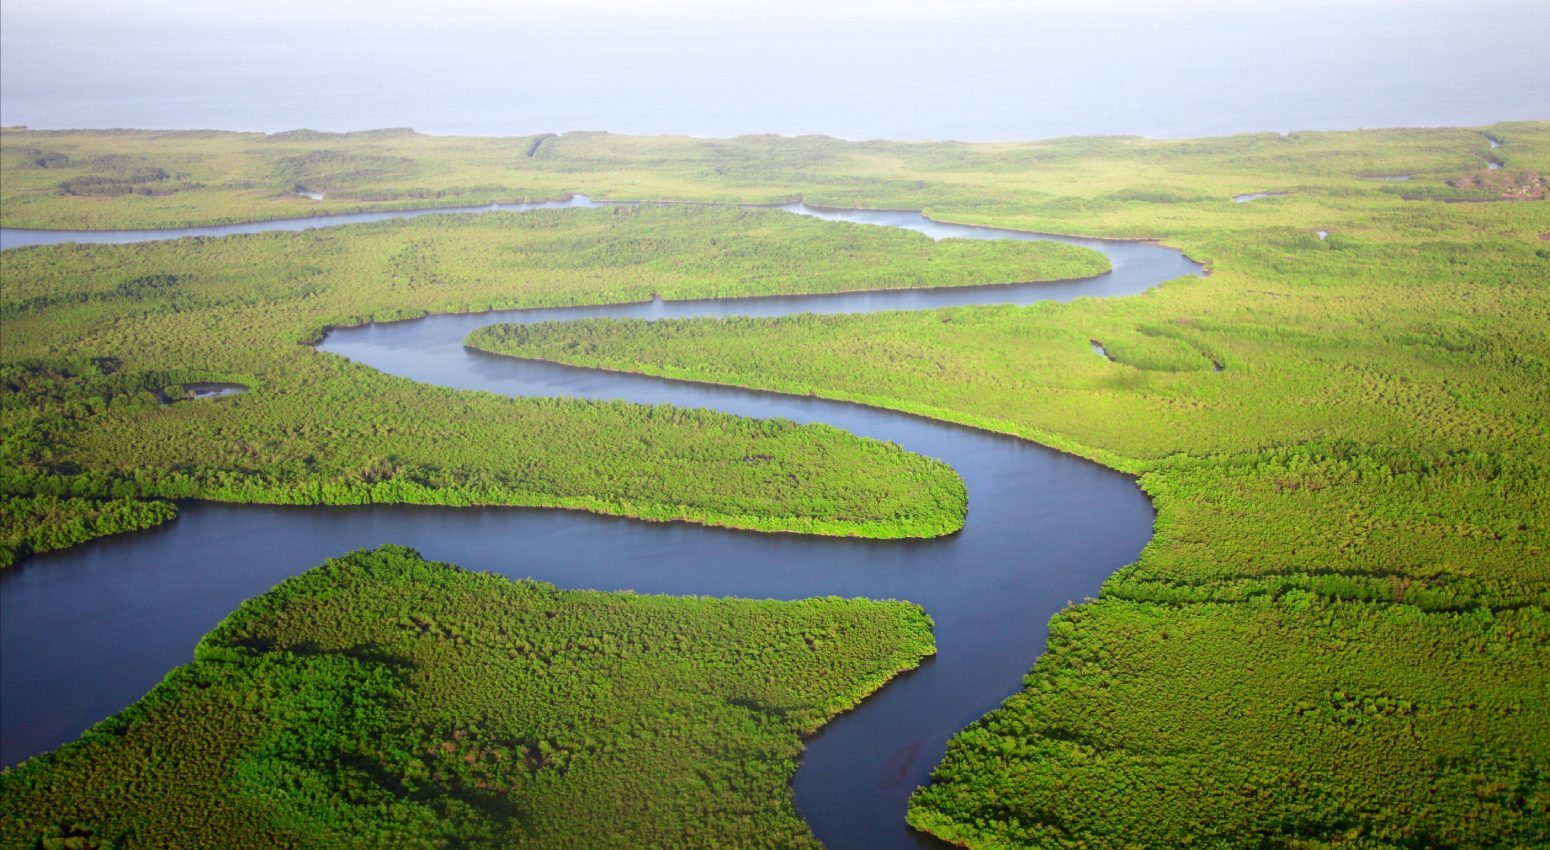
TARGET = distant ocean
(994,76)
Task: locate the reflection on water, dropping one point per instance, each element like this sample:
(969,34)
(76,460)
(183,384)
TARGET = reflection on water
(213,390)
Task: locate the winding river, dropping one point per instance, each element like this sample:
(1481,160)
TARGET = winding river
(86,631)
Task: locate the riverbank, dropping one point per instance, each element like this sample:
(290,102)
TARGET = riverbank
(1348,514)
(360,468)
(501,756)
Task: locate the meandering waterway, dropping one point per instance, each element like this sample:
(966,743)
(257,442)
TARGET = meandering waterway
(86,631)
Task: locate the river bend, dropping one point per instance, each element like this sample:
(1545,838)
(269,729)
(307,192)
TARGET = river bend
(86,631)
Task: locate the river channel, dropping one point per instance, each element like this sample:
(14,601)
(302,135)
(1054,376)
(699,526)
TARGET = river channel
(86,631)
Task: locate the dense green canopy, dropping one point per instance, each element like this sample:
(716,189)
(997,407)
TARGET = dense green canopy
(1338,635)
(381,700)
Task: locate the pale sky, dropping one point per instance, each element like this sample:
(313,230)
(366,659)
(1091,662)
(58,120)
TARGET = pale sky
(973,70)
(304,13)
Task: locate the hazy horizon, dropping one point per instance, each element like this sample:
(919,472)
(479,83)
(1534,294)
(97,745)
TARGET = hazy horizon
(984,71)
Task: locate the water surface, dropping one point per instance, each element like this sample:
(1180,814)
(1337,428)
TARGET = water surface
(21,237)
(85,632)
(1257,196)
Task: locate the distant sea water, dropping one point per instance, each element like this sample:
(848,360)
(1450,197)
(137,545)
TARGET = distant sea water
(1011,73)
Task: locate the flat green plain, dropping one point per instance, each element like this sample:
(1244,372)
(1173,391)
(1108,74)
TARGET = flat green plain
(382,700)
(1338,633)
(1338,636)
(95,335)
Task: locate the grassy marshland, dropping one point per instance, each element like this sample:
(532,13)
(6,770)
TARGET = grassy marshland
(94,334)
(1338,636)
(381,700)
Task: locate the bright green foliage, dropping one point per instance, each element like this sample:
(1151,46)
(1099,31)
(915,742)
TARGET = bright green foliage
(1290,733)
(1356,505)
(42,523)
(1339,624)
(37,409)
(385,701)
(94,334)
(1113,186)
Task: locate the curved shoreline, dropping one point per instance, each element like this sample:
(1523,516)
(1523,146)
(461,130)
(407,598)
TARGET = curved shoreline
(400,212)
(990,587)
(833,757)
(882,290)
(1065,447)
(568,200)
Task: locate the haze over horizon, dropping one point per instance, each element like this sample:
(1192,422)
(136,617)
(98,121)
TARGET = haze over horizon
(980,71)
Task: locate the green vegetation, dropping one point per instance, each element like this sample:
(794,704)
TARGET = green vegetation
(1305,722)
(1339,633)
(1115,186)
(43,523)
(385,701)
(97,337)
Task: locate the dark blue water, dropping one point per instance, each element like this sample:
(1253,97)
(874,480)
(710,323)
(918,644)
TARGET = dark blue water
(85,632)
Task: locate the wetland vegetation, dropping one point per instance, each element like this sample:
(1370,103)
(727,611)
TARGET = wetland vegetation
(1351,544)
(1338,636)
(384,700)
(98,337)
(1112,186)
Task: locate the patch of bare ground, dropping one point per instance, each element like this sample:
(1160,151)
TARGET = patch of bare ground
(1518,185)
